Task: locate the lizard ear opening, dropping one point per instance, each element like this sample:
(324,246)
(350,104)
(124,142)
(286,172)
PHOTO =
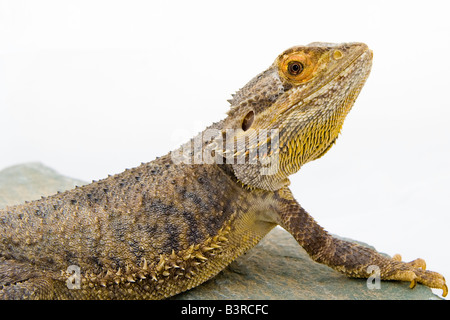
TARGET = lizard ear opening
(248,120)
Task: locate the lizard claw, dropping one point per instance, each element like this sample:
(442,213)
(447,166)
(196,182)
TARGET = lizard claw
(415,272)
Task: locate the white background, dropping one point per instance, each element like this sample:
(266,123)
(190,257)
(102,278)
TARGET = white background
(90,88)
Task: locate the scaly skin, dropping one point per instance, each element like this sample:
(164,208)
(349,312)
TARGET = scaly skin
(169,225)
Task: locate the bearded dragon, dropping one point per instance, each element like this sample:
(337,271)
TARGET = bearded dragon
(166,226)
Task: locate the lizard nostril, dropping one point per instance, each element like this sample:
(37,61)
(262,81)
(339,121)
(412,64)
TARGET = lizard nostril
(337,54)
(248,120)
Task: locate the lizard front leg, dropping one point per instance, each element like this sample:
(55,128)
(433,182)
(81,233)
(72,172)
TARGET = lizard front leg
(347,257)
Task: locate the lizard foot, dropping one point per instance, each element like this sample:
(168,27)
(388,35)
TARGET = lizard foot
(415,271)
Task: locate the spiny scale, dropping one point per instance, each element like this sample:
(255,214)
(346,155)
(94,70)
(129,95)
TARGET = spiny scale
(184,263)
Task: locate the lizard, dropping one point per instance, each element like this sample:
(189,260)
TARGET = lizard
(168,225)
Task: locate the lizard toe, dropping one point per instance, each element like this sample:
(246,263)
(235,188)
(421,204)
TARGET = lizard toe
(418,263)
(416,275)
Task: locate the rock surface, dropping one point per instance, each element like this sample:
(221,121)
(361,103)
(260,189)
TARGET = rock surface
(277,268)
(30,181)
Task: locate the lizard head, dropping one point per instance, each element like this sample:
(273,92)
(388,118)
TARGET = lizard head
(292,113)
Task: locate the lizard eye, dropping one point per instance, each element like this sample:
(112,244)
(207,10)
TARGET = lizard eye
(295,67)
(248,120)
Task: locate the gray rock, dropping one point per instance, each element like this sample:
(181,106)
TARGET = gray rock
(277,268)
(30,181)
